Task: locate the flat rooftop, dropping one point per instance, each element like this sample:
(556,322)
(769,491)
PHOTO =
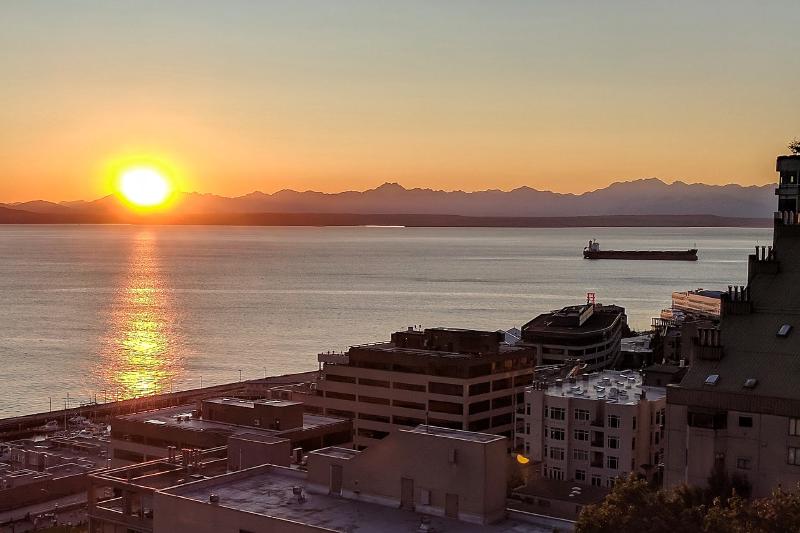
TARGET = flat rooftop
(545,324)
(390,347)
(181,416)
(269,492)
(621,387)
(454,434)
(251,403)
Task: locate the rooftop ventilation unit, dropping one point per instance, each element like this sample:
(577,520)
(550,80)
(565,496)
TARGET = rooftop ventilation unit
(712,379)
(750,383)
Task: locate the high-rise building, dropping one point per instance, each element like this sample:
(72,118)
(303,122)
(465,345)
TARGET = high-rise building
(737,410)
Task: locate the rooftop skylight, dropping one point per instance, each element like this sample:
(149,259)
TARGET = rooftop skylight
(712,379)
(784,330)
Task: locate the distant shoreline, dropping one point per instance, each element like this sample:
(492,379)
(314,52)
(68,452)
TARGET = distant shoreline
(13,216)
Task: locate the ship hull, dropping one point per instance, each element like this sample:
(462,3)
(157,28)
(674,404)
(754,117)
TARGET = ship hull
(644,255)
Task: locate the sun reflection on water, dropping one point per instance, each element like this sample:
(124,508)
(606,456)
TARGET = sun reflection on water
(143,353)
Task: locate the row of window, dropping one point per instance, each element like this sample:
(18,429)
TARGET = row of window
(558,454)
(554,472)
(560,413)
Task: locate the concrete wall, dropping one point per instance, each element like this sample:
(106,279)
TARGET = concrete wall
(244,452)
(475,472)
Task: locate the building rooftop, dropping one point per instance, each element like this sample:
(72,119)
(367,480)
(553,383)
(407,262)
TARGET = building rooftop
(567,321)
(271,491)
(621,387)
(251,403)
(181,416)
(455,434)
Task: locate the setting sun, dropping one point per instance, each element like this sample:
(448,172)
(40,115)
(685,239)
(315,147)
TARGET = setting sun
(144,186)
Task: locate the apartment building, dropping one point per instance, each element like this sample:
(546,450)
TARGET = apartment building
(454,378)
(589,334)
(594,428)
(738,407)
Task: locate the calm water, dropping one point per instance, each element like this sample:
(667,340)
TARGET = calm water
(120,310)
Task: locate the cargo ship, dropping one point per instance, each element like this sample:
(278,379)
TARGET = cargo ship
(593,252)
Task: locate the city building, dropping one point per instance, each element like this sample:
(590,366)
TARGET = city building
(38,471)
(454,378)
(594,428)
(151,434)
(699,303)
(457,485)
(737,409)
(588,334)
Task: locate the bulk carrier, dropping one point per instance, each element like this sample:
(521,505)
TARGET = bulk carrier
(592,251)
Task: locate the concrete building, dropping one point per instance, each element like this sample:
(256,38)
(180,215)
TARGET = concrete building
(738,407)
(142,436)
(594,428)
(457,485)
(454,378)
(588,333)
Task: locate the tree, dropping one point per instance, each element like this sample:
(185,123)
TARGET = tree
(634,506)
(794,146)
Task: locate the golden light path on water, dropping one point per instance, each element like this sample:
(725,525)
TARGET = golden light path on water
(142,354)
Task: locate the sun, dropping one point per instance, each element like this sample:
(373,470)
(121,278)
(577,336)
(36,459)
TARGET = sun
(144,186)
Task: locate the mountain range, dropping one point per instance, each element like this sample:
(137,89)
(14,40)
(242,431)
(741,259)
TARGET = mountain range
(651,198)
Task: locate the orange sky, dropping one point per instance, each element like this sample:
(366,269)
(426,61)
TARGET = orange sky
(566,96)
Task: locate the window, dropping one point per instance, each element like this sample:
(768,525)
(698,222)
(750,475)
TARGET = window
(556,433)
(527,428)
(373,418)
(373,382)
(528,409)
(634,422)
(580,475)
(613,421)
(745,421)
(556,413)
(409,405)
(596,481)
(581,414)
(448,389)
(481,425)
(340,396)
(580,455)
(794,456)
(557,454)
(612,462)
(340,379)
(445,407)
(480,388)
(743,463)
(613,442)
(581,434)
(794,426)
(408,386)
(479,407)
(712,379)
(373,399)
(555,472)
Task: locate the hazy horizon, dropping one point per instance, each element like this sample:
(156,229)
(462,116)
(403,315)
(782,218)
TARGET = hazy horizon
(311,95)
(394,183)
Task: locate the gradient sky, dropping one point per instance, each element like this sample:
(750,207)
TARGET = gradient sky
(336,95)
